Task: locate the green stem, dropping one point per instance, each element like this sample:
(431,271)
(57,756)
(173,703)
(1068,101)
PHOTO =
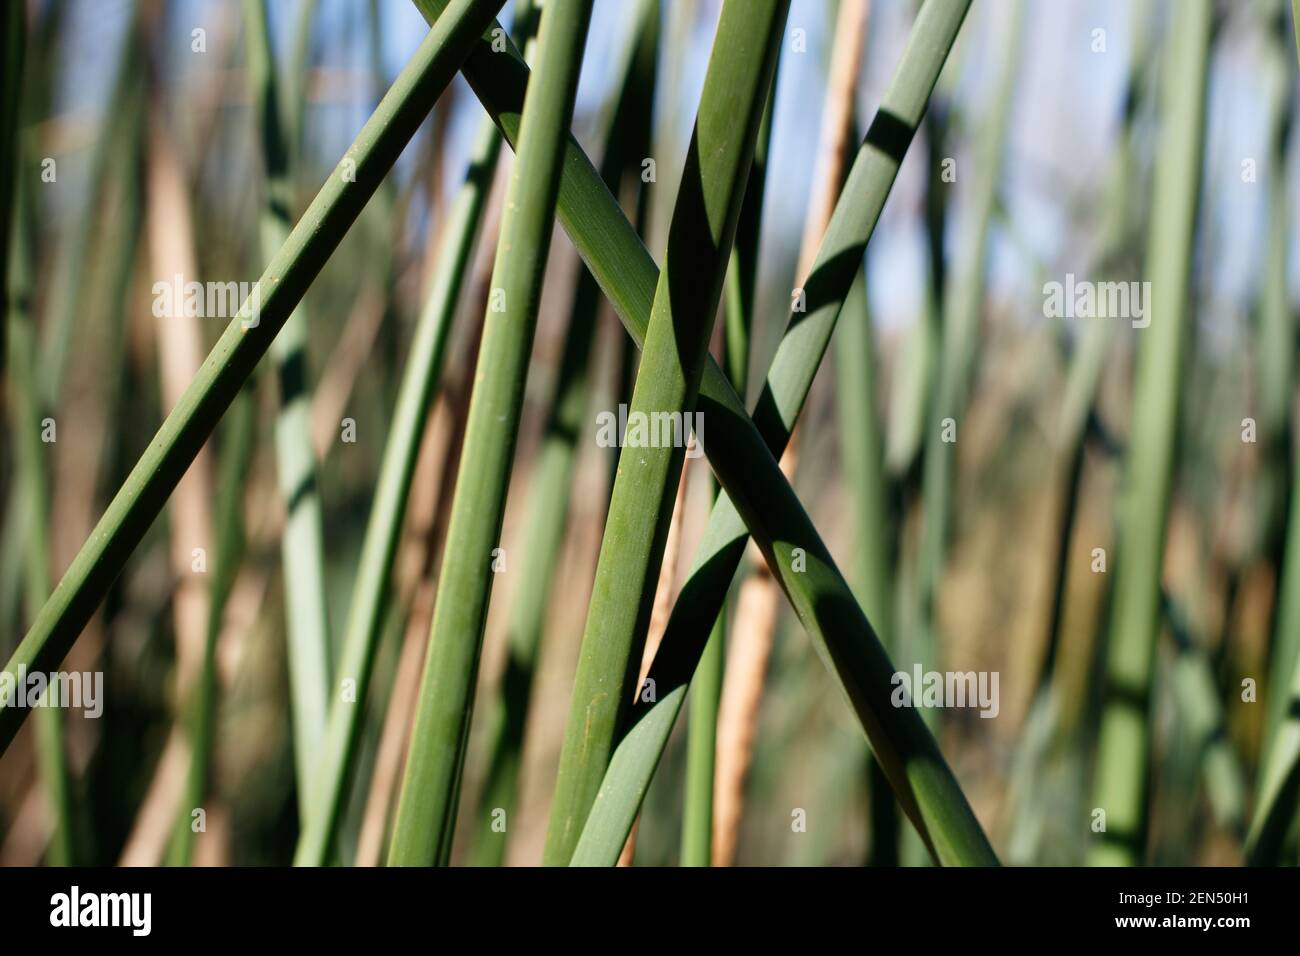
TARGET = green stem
(704,219)
(302,543)
(741,458)
(1121,780)
(426,812)
(139,500)
(238,436)
(626,141)
(392,493)
(33,481)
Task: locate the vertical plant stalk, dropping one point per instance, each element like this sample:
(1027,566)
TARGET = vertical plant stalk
(33,481)
(1279,784)
(302,543)
(787,386)
(760,597)
(232,360)
(862,443)
(1088,363)
(393,489)
(738,324)
(742,457)
(392,493)
(660,609)
(626,143)
(59,336)
(963,306)
(742,272)
(13,47)
(1121,781)
(702,749)
(180,353)
(672,363)
(236,453)
(1050,740)
(426,811)
(1276,359)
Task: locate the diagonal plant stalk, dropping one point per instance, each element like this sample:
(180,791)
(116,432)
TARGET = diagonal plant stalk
(33,482)
(392,493)
(626,139)
(759,601)
(232,360)
(302,545)
(672,362)
(706,696)
(744,462)
(426,812)
(1121,782)
(738,319)
(787,387)
(370,597)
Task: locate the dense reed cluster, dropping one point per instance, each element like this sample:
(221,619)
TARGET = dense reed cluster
(763,359)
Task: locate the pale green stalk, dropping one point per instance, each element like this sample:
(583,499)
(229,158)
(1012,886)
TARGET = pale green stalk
(626,138)
(237,352)
(862,442)
(743,460)
(13,46)
(704,219)
(392,493)
(706,686)
(237,449)
(426,811)
(1278,794)
(963,306)
(1121,781)
(302,543)
(33,480)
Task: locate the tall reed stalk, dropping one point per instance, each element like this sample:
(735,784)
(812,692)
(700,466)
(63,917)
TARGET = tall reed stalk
(1122,768)
(392,493)
(232,360)
(672,363)
(963,307)
(742,458)
(238,437)
(1278,790)
(759,601)
(426,811)
(27,412)
(626,142)
(302,543)
(738,333)
(862,442)
(13,45)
